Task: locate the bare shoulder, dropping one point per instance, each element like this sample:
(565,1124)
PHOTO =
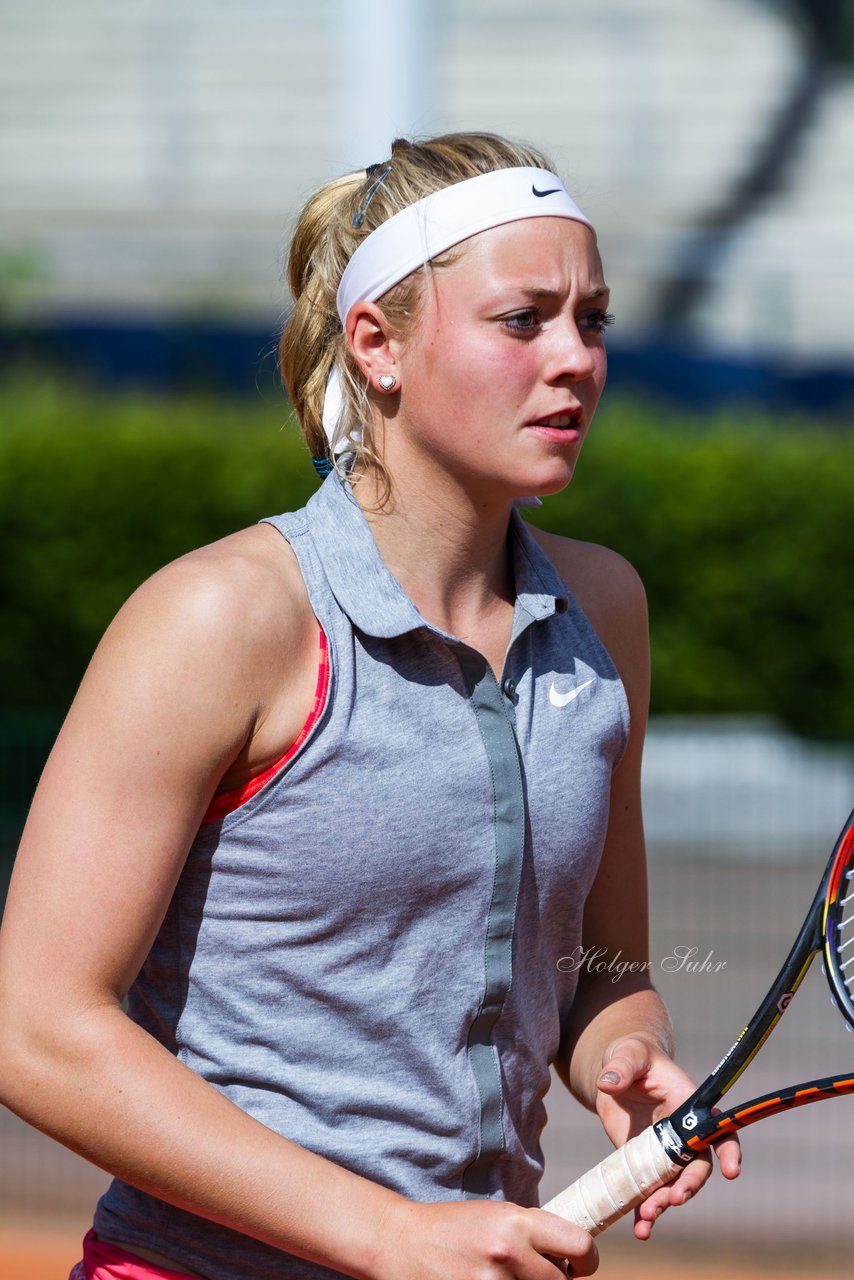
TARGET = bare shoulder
(606,585)
(203,657)
(224,636)
(244,591)
(254,568)
(610,592)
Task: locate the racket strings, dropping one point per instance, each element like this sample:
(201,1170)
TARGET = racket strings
(845,932)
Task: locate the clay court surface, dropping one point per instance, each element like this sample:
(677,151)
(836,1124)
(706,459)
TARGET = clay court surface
(38,1251)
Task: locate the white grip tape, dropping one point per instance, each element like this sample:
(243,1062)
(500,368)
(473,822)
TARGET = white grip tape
(618,1184)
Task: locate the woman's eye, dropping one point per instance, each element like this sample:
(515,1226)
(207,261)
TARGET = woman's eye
(522,322)
(598,321)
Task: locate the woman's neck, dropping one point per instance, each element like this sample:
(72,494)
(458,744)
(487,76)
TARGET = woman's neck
(452,559)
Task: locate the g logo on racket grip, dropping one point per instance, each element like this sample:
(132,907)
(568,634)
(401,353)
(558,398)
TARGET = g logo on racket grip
(784,1001)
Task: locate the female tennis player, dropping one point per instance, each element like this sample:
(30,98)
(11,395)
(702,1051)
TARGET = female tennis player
(286,945)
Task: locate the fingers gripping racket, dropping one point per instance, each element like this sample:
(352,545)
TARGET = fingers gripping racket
(656,1156)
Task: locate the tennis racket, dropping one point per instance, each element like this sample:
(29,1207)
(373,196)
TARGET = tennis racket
(656,1156)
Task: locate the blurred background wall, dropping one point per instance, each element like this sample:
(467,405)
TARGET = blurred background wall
(153,153)
(153,156)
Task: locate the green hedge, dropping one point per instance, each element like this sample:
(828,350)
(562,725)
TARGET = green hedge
(741,529)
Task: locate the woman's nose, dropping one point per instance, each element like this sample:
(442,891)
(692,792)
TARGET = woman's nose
(574,356)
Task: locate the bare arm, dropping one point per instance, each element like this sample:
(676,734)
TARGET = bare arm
(178,691)
(162,712)
(616,917)
(617,1050)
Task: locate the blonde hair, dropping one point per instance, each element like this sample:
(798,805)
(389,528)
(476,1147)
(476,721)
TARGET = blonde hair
(323,243)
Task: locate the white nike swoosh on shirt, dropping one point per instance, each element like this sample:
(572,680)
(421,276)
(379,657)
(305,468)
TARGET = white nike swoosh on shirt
(562,699)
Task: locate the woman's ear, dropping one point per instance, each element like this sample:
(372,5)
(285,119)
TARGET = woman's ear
(373,347)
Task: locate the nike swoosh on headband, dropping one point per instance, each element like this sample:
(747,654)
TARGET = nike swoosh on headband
(563,699)
(423,230)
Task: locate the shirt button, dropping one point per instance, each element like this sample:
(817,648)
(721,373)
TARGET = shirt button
(509,687)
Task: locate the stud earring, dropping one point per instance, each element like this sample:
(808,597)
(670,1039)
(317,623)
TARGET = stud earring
(388,382)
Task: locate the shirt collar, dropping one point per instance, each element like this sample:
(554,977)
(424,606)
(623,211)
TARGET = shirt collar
(371,596)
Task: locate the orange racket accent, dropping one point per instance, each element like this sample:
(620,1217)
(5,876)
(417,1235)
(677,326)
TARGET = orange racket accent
(833,887)
(768,1106)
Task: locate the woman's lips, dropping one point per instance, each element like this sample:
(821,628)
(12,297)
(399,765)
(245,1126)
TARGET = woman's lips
(564,426)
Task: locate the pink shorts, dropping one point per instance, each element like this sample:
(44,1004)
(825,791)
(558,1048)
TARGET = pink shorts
(103,1261)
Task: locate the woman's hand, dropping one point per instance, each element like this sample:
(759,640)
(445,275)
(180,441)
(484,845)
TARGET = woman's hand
(639,1084)
(483,1239)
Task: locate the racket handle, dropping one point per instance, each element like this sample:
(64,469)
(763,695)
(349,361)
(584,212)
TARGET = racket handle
(617,1185)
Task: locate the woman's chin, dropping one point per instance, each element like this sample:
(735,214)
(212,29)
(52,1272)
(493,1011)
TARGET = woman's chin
(553,480)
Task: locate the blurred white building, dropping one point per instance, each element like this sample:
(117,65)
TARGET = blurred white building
(153,152)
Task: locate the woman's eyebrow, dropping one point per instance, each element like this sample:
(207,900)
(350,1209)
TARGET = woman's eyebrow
(546,292)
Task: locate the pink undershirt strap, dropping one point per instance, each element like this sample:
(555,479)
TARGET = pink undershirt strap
(227,801)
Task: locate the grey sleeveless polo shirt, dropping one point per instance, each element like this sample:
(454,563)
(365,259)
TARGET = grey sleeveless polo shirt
(364,955)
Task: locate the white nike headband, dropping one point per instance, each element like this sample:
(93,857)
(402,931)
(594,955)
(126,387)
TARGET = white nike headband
(421,231)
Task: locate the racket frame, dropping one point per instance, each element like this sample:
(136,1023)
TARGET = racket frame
(693,1127)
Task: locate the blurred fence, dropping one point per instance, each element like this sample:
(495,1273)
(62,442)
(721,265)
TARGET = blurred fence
(734,921)
(742,790)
